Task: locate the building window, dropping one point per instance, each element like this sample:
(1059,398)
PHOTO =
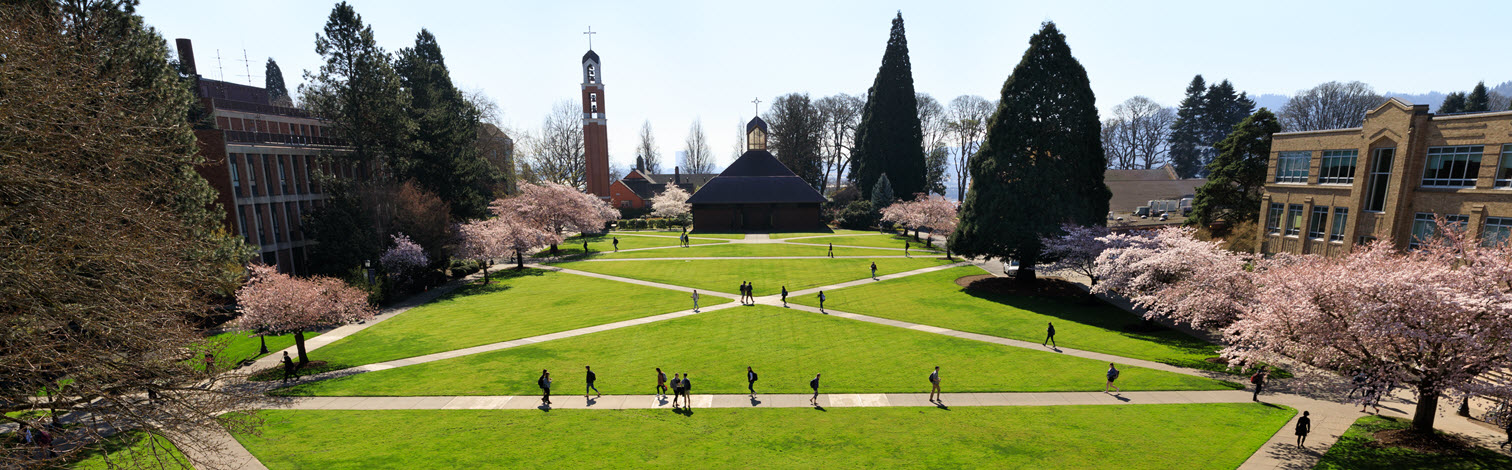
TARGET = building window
(1340,221)
(1504,169)
(1294,219)
(1424,226)
(1453,167)
(1338,166)
(1318,223)
(252,173)
(292,212)
(1273,222)
(1498,230)
(262,235)
(592,75)
(283,179)
(1379,180)
(1291,167)
(593,102)
(625,204)
(235,176)
(241,216)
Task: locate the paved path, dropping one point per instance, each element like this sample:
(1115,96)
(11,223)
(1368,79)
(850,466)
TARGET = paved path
(760,400)
(704,258)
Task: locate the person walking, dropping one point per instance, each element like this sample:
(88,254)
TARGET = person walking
(1304,426)
(695,300)
(934,385)
(44,441)
(874,270)
(1359,381)
(814,384)
(1259,381)
(784,296)
(742,293)
(1507,423)
(832,250)
(661,383)
(905,249)
(687,386)
(821,301)
(616,244)
(288,367)
(591,377)
(585,246)
(676,388)
(545,383)
(751,380)
(1112,376)
(1050,335)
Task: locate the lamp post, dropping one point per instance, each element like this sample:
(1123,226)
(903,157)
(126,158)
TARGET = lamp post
(367,265)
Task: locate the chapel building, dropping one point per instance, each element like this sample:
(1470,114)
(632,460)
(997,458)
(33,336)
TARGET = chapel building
(756,193)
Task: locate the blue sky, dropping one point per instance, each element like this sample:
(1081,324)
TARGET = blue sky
(673,62)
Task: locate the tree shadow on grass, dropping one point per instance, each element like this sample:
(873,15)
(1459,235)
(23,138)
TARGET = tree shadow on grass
(1359,449)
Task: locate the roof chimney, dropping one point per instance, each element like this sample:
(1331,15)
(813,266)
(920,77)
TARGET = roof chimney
(186,55)
(676,176)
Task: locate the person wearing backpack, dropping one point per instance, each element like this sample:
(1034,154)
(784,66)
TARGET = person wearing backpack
(591,377)
(661,383)
(1259,380)
(751,380)
(814,384)
(821,301)
(687,385)
(784,296)
(1112,375)
(934,385)
(545,383)
(676,388)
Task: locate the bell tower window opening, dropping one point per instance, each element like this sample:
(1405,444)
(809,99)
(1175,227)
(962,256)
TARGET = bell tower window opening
(756,139)
(593,102)
(592,76)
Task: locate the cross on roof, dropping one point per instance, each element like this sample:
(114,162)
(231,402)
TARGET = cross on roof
(590,34)
(757,102)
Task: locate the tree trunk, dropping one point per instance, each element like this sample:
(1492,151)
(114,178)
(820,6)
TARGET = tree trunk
(485,273)
(553,249)
(264,340)
(519,259)
(299,344)
(1025,274)
(1427,408)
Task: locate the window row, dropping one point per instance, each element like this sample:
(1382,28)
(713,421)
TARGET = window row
(271,127)
(1494,230)
(1287,219)
(1445,167)
(267,224)
(272,175)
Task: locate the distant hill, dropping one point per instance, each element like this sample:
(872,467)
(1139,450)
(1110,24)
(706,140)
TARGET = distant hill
(1433,99)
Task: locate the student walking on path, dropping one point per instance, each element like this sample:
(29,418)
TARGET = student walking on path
(288,366)
(1112,375)
(751,292)
(695,300)
(821,301)
(832,250)
(784,296)
(905,249)
(616,244)
(1050,336)
(687,385)
(1507,423)
(585,246)
(591,377)
(874,270)
(1304,426)
(814,384)
(661,383)
(545,383)
(934,385)
(676,388)
(1259,380)
(751,380)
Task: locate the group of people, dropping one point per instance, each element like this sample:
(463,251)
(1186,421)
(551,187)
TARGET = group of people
(38,437)
(747,293)
(681,384)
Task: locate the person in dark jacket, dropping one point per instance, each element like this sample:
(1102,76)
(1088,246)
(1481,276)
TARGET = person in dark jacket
(1259,380)
(545,383)
(288,366)
(591,377)
(784,296)
(814,384)
(1304,426)
(751,380)
(1050,335)
(687,385)
(661,383)
(676,388)
(934,385)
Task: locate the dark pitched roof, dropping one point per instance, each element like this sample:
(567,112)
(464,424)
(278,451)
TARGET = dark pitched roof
(591,55)
(756,122)
(756,177)
(696,179)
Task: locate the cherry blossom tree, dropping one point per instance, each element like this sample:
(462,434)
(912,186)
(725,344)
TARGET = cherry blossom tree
(904,214)
(556,208)
(1077,250)
(279,304)
(501,237)
(404,257)
(672,202)
(933,213)
(1176,276)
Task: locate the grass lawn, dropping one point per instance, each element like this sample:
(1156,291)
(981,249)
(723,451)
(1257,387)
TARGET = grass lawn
(787,347)
(747,250)
(514,305)
(242,345)
(132,450)
(721,235)
(1356,451)
(875,239)
(769,275)
(605,244)
(934,299)
(1214,436)
(836,232)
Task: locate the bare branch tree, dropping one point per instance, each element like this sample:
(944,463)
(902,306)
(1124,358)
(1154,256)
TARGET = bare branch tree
(1135,137)
(840,114)
(933,121)
(556,154)
(650,156)
(968,126)
(1332,105)
(697,158)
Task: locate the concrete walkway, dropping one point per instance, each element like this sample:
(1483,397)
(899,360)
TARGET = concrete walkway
(726,258)
(760,400)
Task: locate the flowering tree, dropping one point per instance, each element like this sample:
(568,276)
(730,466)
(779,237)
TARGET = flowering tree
(556,208)
(1176,276)
(278,303)
(1077,250)
(904,214)
(672,202)
(926,212)
(1433,318)
(404,257)
(500,237)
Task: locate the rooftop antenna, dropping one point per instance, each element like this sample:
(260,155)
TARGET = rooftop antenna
(247,65)
(590,34)
(219,73)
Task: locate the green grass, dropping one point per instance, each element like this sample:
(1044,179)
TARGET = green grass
(605,244)
(132,450)
(769,275)
(787,347)
(874,240)
(934,299)
(1356,450)
(514,305)
(243,345)
(1213,436)
(747,250)
(836,232)
(726,236)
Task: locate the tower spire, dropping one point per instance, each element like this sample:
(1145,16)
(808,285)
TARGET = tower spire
(590,34)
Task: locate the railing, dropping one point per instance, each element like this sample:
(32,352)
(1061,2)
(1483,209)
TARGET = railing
(287,139)
(230,105)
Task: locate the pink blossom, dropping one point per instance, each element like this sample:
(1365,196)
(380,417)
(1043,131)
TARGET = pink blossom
(404,256)
(557,208)
(501,237)
(672,202)
(933,213)
(1175,276)
(1077,250)
(278,303)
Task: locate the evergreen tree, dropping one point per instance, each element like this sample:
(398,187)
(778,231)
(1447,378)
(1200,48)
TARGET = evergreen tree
(358,91)
(882,193)
(1236,178)
(1185,133)
(1223,109)
(937,162)
(444,157)
(890,139)
(273,80)
(1042,163)
(345,231)
(1453,103)
(1478,100)
(796,131)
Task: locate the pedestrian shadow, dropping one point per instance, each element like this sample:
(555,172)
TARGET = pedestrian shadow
(1273,405)
(1121,398)
(544,408)
(591,401)
(755,402)
(685,411)
(661,401)
(941,405)
(820,408)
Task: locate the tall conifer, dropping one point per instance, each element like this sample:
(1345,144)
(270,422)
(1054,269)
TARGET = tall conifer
(1042,163)
(890,139)
(1478,99)
(443,156)
(1236,177)
(273,81)
(1186,132)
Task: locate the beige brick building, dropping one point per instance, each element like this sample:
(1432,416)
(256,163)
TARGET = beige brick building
(1327,191)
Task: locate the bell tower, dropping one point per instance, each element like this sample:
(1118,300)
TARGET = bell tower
(595,135)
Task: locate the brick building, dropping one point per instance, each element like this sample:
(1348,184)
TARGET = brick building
(636,189)
(1329,190)
(264,161)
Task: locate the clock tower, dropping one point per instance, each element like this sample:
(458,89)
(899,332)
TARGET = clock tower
(595,135)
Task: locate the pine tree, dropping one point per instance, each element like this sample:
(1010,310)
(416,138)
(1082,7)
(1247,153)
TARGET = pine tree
(1478,100)
(1236,177)
(938,163)
(358,91)
(1042,163)
(890,139)
(1185,133)
(1223,109)
(1453,103)
(882,193)
(273,80)
(444,157)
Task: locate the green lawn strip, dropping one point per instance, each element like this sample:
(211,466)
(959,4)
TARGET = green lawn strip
(879,241)
(131,450)
(747,250)
(599,244)
(768,275)
(721,235)
(787,347)
(837,232)
(514,305)
(242,345)
(1357,450)
(934,299)
(1206,436)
